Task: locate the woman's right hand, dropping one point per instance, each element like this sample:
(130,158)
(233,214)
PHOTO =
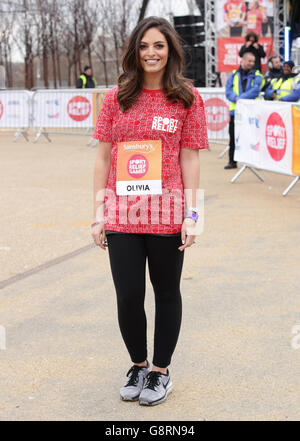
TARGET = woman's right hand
(98,233)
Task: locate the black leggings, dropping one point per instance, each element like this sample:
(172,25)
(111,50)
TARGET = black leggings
(231,139)
(127,254)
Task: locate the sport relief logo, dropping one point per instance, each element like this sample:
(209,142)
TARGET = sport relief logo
(79,108)
(217,114)
(137,166)
(1,109)
(164,124)
(276,137)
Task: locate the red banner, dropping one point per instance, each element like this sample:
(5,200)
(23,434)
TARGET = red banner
(228,52)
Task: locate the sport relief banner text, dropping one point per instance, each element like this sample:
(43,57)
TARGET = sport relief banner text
(228,52)
(264,135)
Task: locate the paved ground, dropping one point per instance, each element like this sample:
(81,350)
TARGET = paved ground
(64,357)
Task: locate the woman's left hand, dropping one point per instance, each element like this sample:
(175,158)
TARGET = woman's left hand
(187,239)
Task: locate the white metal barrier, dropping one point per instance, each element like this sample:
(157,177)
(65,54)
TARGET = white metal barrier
(65,111)
(217,112)
(217,115)
(267,138)
(75,111)
(15,112)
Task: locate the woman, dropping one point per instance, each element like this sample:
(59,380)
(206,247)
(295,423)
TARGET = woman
(150,129)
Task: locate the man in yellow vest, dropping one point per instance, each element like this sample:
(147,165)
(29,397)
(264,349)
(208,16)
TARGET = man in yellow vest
(242,83)
(86,79)
(286,87)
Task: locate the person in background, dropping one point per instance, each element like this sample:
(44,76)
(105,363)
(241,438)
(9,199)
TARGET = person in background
(86,79)
(263,10)
(243,83)
(235,14)
(252,45)
(270,16)
(275,71)
(286,87)
(255,18)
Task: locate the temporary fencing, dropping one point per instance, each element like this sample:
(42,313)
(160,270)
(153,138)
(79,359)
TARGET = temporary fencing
(267,133)
(75,111)
(217,113)
(267,138)
(66,111)
(15,112)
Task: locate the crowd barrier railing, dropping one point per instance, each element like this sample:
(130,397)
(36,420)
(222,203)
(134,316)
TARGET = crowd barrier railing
(15,112)
(65,111)
(267,138)
(75,111)
(217,113)
(266,133)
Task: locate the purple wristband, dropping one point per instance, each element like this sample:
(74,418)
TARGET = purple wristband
(192,215)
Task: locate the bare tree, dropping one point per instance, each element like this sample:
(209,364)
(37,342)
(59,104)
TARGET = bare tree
(27,32)
(119,17)
(68,52)
(76,31)
(18,33)
(6,47)
(53,16)
(90,19)
(143,9)
(43,34)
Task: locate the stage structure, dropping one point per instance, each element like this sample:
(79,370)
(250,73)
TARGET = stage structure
(210,8)
(211,43)
(281,13)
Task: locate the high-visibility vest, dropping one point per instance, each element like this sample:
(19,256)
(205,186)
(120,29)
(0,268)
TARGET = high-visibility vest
(84,81)
(284,87)
(236,88)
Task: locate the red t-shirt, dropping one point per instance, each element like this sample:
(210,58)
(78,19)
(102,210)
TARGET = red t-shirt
(254,21)
(152,117)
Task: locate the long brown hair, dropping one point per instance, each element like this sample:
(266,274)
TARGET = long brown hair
(130,82)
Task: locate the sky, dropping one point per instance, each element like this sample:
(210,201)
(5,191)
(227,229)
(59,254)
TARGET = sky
(178,7)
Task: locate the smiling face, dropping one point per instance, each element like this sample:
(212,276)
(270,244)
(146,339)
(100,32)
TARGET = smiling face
(287,70)
(154,51)
(248,61)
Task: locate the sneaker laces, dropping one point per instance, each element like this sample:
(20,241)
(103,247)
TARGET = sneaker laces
(152,380)
(134,375)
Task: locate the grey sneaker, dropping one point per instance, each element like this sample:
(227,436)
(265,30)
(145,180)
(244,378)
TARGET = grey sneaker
(156,388)
(134,385)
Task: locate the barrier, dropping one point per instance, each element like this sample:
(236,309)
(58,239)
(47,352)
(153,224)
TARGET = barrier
(15,111)
(217,115)
(75,111)
(70,110)
(267,138)
(217,112)
(267,133)
(66,111)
